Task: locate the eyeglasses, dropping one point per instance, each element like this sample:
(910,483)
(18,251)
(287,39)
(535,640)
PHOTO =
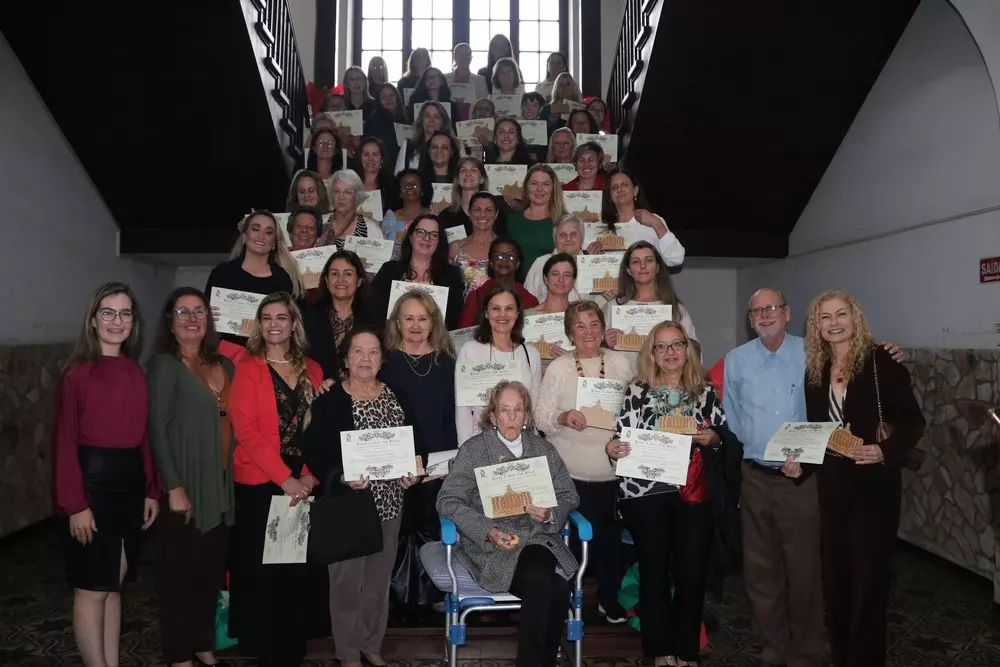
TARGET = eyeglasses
(411,186)
(765,310)
(676,346)
(500,256)
(426,234)
(188,314)
(109,314)
(325,144)
(342,193)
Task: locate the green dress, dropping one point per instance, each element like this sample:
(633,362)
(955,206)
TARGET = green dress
(534,236)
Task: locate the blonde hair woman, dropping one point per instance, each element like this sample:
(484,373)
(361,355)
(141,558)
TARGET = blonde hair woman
(562,143)
(673,526)
(543,205)
(269,402)
(854,381)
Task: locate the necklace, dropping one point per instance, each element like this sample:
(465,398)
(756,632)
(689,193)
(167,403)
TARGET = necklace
(278,361)
(414,361)
(579,366)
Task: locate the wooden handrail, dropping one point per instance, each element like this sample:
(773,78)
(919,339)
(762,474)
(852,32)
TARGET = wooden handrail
(634,36)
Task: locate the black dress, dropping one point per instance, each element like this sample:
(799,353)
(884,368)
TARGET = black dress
(230,275)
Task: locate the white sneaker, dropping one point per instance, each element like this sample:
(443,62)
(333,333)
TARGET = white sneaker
(613,619)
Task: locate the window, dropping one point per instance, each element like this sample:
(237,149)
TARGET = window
(393,28)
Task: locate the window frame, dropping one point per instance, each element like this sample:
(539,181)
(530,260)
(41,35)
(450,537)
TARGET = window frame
(459,31)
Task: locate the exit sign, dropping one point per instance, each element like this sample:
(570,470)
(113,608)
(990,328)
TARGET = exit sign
(989,270)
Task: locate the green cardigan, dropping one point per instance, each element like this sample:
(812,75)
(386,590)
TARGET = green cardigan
(187,439)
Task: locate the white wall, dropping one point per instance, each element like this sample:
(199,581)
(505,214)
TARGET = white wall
(304,24)
(611,26)
(911,201)
(61,239)
(710,297)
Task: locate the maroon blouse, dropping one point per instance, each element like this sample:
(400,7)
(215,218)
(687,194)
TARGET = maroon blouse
(101,404)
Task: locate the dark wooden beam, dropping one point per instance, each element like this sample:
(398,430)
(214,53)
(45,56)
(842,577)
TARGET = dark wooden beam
(590,47)
(325,44)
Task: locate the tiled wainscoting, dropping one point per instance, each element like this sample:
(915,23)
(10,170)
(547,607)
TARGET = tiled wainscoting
(951,506)
(28,378)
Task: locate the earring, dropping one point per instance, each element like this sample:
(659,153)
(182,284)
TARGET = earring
(524,427)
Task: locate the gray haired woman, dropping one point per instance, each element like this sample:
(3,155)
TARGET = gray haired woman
(522,554)
(567,237)
(347,193)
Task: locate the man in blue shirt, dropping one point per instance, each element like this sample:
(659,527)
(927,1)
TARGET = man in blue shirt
(780,516)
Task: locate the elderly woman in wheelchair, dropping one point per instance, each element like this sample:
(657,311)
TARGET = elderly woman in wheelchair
(524,553)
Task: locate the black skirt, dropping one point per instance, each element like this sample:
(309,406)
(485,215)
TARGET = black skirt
(114,481)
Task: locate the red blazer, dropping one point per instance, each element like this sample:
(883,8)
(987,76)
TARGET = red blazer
(575,183)
(257,456)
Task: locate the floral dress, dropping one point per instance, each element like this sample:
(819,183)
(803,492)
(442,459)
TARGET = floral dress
(474,271)
(292,407)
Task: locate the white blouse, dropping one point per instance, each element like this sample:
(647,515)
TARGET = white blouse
(530,375)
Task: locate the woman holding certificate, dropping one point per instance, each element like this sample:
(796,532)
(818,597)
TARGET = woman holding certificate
(559,274)
(340,306)
(439,162)
(524,553)
(346,192)
(588,159)
(191,434)
(532,227)
(579,431)
(508,145)
(567,234)
(505,262)
(370,164)
(269,401)
(672,524)
(431,118)
(423,260)
(854,381)
(415,200)
(643,279)
(259,265)
(623,204)
(432,86)
(472,254)
(497,340)
(307,189)
(359,587)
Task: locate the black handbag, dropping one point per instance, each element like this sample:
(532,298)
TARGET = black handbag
(343,524)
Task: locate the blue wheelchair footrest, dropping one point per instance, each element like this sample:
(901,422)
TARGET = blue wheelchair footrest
(574,630)
(465,603)
(456,635)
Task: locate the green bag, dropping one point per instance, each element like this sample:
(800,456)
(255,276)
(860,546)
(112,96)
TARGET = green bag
(628,594)
(222,639)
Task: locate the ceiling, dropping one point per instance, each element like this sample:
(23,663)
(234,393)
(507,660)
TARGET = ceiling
(743,107)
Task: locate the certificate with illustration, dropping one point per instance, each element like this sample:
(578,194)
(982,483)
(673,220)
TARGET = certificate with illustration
(237,310)
(565,172)
(404,132)
(598,273)
(607,142)
(378,453)
(348,123)
(475,379)
(656,456)
(439,463)
(506,105)
(460,337)
(600,400)
(506,179)
(286,535)
(462,92)
(806,442)
(635,321)
(374,251)
(455,233)
(623,235)
(371,207)
(436,292)
(311,262)
(506,488)
(545,330)
(465,130)
(535,132)
(441,198)
(281,219)
(586,204)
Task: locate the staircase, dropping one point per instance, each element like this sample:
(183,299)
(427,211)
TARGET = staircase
(185,115)
(730,111)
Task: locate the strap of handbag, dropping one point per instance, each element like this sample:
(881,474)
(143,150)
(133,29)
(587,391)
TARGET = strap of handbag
(883,430)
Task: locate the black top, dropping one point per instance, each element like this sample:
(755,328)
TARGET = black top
(407,81)
(230,275)
(428,383)
(319,332)
(450,218)
(382,126)
(450,277)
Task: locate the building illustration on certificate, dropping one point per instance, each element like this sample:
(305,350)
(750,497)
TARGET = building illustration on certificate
(511,503)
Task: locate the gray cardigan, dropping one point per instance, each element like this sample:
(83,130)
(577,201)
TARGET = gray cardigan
(184,431)
(458,500)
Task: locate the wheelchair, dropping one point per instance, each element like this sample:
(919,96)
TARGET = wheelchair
(463,596)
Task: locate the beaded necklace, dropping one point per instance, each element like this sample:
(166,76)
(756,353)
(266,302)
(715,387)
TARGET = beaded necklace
(579,366)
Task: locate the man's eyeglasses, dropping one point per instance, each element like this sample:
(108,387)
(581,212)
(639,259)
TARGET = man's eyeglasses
(188,314)
(756,313)
(500,256)
(676,346)
(109,315)
(426,234)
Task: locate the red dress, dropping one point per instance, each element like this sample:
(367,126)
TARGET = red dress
(102,461)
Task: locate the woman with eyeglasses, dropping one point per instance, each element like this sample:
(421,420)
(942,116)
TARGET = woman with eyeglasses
(439,162)
(543,205)
(326,157)
(424,259)
(191,432)
(415,198)
(273,388)
(103,478)
(472,254)
(340,305)
(307,189)
(498,337)
(347,192)
(567,233)
(505,262)
(673,526)
(378,75)
(624,204)
(643,279)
